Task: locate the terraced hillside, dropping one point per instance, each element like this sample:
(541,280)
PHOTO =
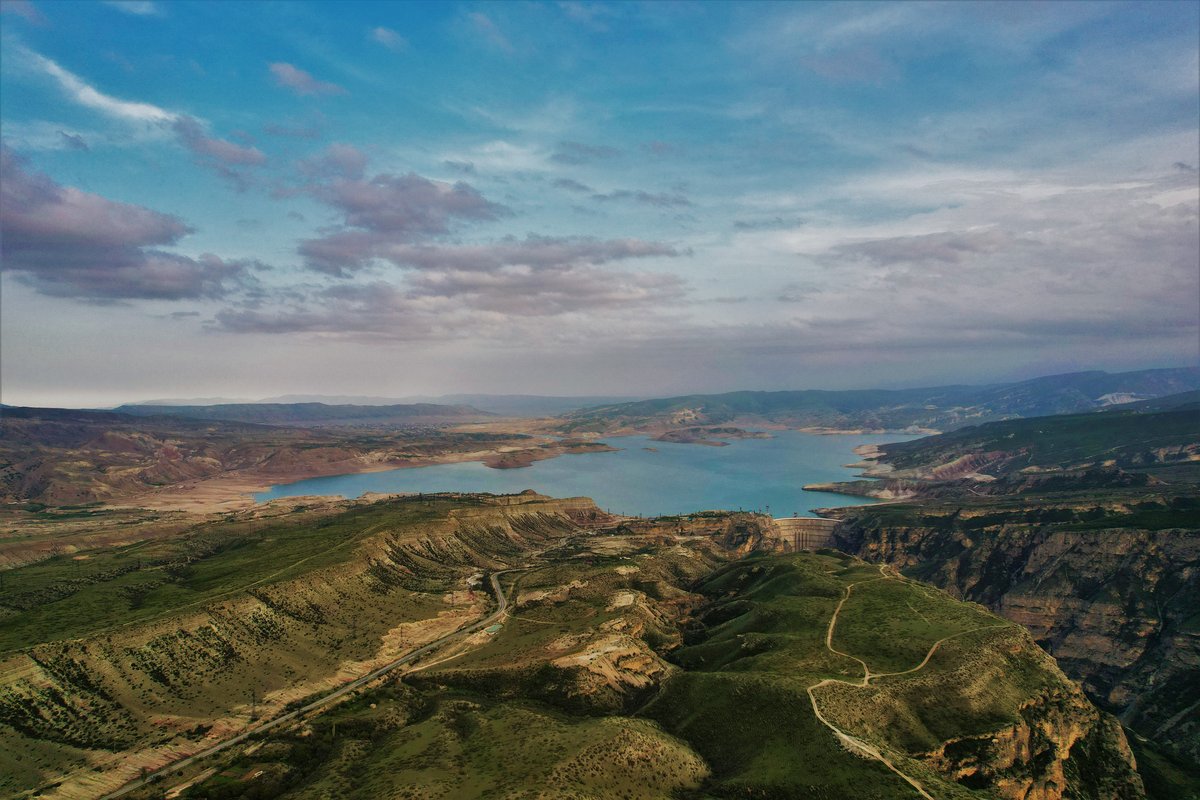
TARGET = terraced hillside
(668,658)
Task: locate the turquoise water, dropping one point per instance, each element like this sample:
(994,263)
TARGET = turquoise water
(752,474)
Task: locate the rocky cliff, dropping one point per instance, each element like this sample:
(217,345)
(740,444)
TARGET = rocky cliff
(1115,607)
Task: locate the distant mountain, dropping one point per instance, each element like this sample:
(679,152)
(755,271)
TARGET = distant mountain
(306,414)
(507,405)
(192,401)
(530,405)
(940,408)
(1164,430)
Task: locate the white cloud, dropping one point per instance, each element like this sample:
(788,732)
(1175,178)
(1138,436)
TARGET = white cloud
(388,38)
(92,98)
(138,8)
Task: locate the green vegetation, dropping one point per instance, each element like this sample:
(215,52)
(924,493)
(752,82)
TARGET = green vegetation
(1128,438)
(69,597)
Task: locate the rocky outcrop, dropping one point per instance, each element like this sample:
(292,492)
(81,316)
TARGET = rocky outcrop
(1061,747)
(1115,607)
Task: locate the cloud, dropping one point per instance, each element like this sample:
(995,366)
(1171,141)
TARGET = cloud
(339,160)
(572,185)
(579,153)
(388,210)
(505,305)
(485,27)
(138,8)
(298,130)
(777,223)
(24,9)
(69,243)
(594,16)
(225,158)
(656,199)
(73,141)
(302,83)
(465,167)
(389,39)
(92,98)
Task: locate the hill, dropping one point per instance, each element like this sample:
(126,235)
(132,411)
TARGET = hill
(1085,528)
(936,408)
(621,659)
(68,456)
(312,414)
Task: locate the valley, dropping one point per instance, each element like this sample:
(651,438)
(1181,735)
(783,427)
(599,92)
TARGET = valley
(1015,621)
(640,653)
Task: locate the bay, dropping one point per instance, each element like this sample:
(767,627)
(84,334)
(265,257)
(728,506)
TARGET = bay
(643,477)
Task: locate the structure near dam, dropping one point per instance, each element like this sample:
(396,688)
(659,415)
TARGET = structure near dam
(803,533)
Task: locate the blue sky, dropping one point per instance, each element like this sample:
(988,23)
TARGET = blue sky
(250,199)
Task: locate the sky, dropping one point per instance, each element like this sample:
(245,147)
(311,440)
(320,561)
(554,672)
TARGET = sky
(253,199)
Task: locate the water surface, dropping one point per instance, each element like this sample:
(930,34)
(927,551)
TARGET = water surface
(752,474)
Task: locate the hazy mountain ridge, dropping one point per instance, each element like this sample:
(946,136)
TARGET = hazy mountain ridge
(314,413)
(518,405)
(938,408)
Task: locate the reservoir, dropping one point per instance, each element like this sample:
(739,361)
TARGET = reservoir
(751,474)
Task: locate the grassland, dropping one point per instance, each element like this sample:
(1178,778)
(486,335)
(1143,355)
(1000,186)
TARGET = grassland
(597,686)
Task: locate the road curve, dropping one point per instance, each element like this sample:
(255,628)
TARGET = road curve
(501,608)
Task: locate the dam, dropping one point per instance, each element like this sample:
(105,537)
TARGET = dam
(804,533)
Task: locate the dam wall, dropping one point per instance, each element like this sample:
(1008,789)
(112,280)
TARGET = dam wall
(794,534)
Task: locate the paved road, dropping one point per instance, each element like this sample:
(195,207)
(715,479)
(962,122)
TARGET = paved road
(501,607)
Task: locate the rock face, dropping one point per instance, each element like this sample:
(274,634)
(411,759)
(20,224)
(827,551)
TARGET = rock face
(1061,747)
(1116,608)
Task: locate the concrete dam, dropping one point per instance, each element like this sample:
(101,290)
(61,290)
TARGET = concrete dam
(804,533)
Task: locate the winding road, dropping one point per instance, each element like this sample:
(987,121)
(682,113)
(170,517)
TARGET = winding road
(854,743)
(358,683)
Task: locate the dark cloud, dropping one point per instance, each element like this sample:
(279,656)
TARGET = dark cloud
(465,167)
(772,224)
(390,210)
(572,185)
(73,141)
(227,159)
(69,243)
(656,199)
(1182,167)
(446,305)
(537,253)
(579,153)
(302,83)
(336,161)
(952,247)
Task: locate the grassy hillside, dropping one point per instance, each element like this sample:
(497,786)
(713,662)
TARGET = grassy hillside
(1126,438)
(553,704)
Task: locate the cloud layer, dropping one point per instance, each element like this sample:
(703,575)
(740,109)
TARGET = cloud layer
(70,243)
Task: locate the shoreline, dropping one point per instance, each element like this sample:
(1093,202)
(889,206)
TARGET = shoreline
(235,491)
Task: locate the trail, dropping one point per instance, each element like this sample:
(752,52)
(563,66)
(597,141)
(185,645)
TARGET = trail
(853,743)
(501,610)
